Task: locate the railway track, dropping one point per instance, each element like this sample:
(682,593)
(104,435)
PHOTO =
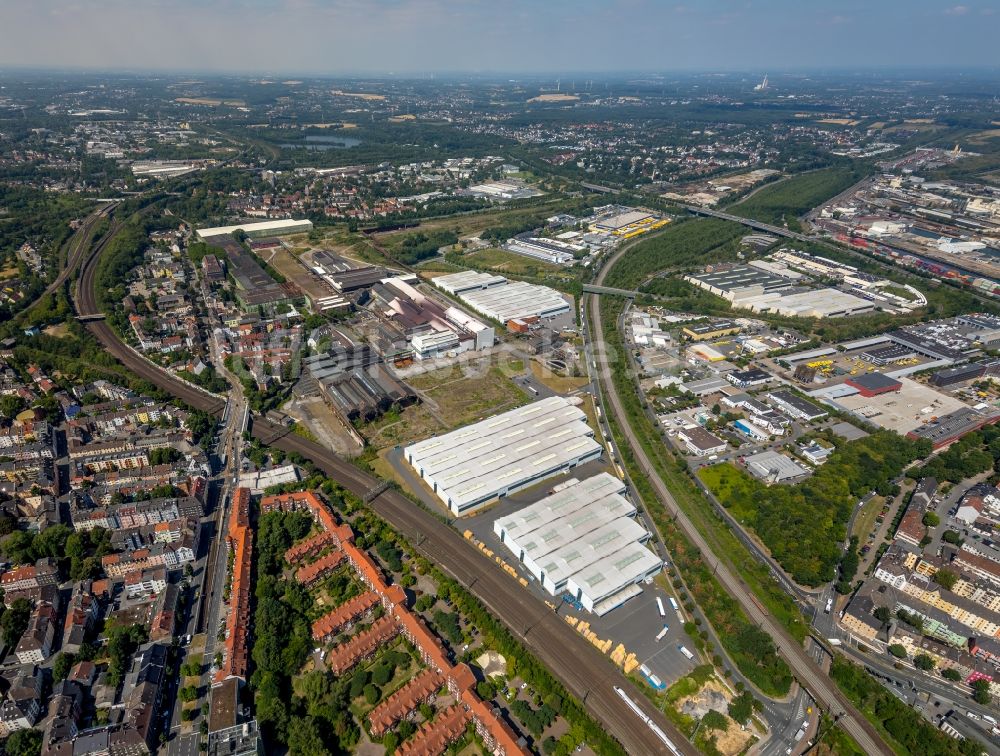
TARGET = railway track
(76,247)
(804,667)
(585,672)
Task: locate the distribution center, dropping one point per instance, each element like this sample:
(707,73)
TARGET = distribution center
(582,540)
(471,466)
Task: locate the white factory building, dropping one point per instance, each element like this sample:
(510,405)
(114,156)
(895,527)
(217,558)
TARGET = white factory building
(555,251)
(261,228)
(472,466)
(503,300)
(582,540)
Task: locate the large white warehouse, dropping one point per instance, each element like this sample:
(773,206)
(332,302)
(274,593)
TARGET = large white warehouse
(582,540)
(474,465)
(503,300)
(255,229)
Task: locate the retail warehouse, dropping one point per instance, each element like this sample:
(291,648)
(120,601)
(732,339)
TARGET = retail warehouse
(582,540)
(474,465)
(503,300)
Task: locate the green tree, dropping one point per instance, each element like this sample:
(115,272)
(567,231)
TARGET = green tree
(741,707)
(188,693)
(713,720)
(951,674)
(11,405)
(15,621)
(305,737)
(61,666)
(945,578)
(931,519)
(23,743)
(981,692)
(924,662)
(898,650)
(372,694)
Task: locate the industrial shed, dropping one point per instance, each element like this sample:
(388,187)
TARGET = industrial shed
(582,540)
(469,467)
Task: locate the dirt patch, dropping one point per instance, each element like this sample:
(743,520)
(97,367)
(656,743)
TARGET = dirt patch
(295,271)
(60,330)
(714,696)
(358,95)
(559,384)
(450,397)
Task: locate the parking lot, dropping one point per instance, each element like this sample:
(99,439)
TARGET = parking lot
(635,624)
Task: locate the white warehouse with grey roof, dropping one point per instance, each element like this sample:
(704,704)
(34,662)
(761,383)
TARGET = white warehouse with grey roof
(582,540)
(503,300)
(470,467)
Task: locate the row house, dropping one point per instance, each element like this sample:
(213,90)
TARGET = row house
(22,705)
(35,645)
(435,736)
(171,556)
(239,540)
(344,616)
(946,657)
(144,582)
(43,572)
(400,705)
(309,548)
(61,724)
(81,615)
(141,696)
(313,573)
(362,646)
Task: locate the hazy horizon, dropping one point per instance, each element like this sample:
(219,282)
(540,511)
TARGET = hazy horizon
(413,38)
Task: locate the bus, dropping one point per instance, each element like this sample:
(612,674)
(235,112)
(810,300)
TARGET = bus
(686,653)
(659,605)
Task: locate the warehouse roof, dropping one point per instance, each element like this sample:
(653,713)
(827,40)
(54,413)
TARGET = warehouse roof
(769,463)
(287,225)
(873,382)
(573,495)
(516,299)
(502,453)
(456,283)
(581,552)
(807,408)
(608,575)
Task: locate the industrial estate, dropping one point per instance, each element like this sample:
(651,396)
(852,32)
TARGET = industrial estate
(494,416)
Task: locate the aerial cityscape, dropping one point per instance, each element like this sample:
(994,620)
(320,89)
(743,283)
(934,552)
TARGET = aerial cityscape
(427,377)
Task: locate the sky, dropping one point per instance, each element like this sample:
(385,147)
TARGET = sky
(417,37)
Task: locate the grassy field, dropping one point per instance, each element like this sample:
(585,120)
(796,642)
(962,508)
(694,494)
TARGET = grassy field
(558,383)
(451,398)
(865,521)
(784,202)
(687,243)
(472,224)
(503,261)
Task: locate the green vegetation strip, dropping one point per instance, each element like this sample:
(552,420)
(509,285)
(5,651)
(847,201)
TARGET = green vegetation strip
(804,525)
(751,649)
(782,203)
(688,242)
(902,727)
